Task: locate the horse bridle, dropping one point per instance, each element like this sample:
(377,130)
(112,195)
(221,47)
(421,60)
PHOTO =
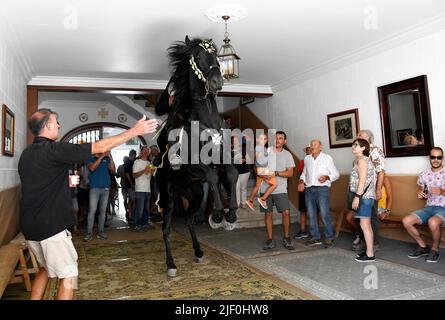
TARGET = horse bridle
(198,71)
(208,46)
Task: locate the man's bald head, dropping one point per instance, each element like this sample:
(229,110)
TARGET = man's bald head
(316,146)
(39,119)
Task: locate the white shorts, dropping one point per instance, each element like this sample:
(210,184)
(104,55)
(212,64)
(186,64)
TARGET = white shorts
(57,255)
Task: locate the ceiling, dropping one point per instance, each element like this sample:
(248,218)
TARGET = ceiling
(278,39)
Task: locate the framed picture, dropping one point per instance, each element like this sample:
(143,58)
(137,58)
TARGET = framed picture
(247,99)
(402,134)
(7,131)
(343,128)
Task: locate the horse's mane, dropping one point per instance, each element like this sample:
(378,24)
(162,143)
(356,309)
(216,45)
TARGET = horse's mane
(179,54)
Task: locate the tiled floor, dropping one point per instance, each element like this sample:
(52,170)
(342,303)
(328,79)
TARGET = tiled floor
(333,273)
(321,273)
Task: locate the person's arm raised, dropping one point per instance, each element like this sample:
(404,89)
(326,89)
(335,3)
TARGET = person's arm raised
(143,126)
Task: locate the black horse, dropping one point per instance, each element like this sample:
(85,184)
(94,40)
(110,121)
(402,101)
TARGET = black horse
(189,101)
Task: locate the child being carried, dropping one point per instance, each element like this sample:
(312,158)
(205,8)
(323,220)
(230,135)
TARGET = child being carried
(263,173)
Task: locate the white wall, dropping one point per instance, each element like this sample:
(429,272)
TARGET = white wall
(301,110)
(69,112)
(13,79)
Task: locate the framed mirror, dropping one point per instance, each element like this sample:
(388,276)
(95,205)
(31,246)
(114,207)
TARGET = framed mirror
(406,118)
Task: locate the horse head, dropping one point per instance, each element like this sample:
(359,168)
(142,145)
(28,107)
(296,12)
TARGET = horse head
(205,67)
(196,67)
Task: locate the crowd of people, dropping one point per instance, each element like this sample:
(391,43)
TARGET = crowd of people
(45,168)
(96,196)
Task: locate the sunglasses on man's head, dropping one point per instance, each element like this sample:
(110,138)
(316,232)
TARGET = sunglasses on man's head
(436,157)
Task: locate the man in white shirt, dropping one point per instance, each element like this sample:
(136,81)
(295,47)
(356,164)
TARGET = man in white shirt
(282,164)
(318,174)
(142,171)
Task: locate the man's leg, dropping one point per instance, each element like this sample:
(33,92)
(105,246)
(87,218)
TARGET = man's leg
(146,213)
(409,222)
(94,198)
(323,204)
(139,208)
(286,223)
(39,284)
(435,224)
(125,199)
(66,289)
(375,222)
(61,261)
(104,195)
(269,223)
(311,205)
(244,178)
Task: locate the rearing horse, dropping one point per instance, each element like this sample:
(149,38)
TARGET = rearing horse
(189,100)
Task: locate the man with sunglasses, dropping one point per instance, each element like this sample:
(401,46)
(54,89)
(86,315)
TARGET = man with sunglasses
(431,184)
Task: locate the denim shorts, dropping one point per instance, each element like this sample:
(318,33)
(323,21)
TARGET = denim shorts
(429,211)
(364,210)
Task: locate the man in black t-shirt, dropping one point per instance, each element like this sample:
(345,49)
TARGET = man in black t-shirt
(46,206)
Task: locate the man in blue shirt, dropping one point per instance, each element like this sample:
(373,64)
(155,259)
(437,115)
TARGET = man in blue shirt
(99,166)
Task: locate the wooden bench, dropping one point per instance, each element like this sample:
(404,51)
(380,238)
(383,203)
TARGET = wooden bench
(14,259)
(405,201)
(9,257)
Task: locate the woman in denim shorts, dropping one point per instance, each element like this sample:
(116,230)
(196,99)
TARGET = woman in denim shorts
(362,183)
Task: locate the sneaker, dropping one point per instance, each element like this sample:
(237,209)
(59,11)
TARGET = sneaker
(328,243)
(365,258)
(137,228)
(88,237)
(263,203)
(102,235)
(356,240)
(250,204)
(313,242)
(419,252)
(301,235)
(287,243)
(361,254)
(433,257)
(270,244)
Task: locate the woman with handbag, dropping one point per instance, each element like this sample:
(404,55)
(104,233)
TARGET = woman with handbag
(362,183)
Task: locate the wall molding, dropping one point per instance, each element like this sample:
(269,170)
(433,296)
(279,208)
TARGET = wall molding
(420,30)
(135,84)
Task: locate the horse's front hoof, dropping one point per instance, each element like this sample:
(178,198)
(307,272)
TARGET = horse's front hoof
(228,226)
(231,216)
(171,273)
(199,260)
(213,224)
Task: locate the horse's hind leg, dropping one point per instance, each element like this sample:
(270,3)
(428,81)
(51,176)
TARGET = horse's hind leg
(166,227)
